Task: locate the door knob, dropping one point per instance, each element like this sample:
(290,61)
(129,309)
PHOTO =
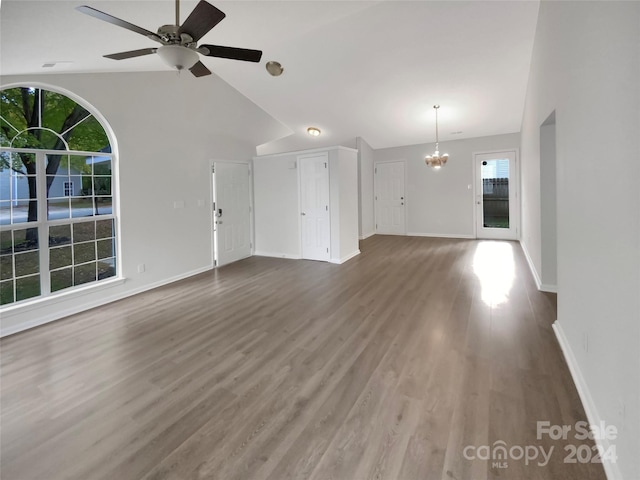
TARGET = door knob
(302,213)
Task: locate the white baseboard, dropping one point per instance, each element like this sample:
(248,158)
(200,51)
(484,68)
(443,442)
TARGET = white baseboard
(534,272)
(367,235)
(87,305)
(345,258)
(548,288)
(611,469)
(277,255)
(440,235)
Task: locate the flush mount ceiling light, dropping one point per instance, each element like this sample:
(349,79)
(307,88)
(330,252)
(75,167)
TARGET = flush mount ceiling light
(436,160)
(274,68)
(313,131)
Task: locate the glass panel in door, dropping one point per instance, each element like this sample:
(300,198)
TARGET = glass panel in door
(495,193)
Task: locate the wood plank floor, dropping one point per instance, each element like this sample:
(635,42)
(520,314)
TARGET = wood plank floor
(385,367)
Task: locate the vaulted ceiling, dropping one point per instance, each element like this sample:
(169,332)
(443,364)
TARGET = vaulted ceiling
(352,68)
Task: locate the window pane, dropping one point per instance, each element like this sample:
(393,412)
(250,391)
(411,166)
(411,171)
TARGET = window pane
(89,136)
(24,240)
(104,206)
(106,248)
(6,130)
(61,279)
(101,165)
(21,212)
(5,213)
(6,267)
(84,252)
(6,243)
(106,268)
(60,257)
(6,292)
(58,208)
(25,205)
(102,185)
(58,164)
(56,185)
(84,273)
(5,178)
(495,193)
(27,287)
(59,235)
(87,186)
(59,107)
(104,229)
(83,232)
(81,207)
(27,263)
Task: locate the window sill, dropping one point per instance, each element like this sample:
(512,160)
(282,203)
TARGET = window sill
(63,296)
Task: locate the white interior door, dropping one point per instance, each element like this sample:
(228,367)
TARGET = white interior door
(314,207)
(496,195)
(232,221)
(390,198)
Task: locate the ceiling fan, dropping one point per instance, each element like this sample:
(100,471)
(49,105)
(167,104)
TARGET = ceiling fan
(179,46)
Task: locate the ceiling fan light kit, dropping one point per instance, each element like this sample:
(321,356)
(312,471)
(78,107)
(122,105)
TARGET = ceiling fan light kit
(436,160)
(177,57)
(180,42)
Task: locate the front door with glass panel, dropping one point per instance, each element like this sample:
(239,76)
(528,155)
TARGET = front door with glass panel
(496,195)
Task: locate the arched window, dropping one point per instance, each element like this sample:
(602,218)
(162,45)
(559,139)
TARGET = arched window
(57,215)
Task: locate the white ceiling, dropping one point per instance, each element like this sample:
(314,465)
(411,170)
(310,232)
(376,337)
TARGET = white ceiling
(352,68)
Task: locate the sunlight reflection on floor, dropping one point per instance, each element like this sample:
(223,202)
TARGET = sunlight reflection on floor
(494,265)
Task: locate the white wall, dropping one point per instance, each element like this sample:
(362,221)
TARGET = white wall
(366,214)
(586,67)
(347,181)
(548,206)
(276,206)
(440,202)
(167,128)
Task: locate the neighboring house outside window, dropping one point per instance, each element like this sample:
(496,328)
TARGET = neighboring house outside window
(57,216)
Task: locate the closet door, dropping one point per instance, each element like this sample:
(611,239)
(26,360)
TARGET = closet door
(314,206)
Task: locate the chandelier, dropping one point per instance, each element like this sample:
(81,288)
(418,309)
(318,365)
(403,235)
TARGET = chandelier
(436,160)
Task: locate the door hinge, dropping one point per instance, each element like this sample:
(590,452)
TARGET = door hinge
(215,263)
(250,245)
(375,170)
(326,208)
(325,164)
(327,249)
(376,197)
(213,169)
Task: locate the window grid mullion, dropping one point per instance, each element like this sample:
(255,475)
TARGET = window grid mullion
(43,233)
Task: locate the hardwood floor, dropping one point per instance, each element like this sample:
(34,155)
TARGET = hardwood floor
(385,367)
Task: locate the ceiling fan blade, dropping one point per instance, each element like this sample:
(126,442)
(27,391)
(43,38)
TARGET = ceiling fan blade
(231,52)
(203,18)
(105,17)
(131,54)
(200,70)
